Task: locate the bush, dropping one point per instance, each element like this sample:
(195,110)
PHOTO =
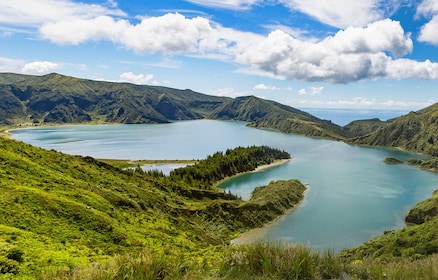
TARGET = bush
(8,266)
(15,254)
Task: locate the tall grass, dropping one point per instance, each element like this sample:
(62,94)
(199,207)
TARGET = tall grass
(279,261)
(273,261)
(146,266)
(397,269)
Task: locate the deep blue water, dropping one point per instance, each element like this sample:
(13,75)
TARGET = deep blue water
(352,194)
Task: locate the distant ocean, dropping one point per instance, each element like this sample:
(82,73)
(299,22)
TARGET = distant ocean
(345,116)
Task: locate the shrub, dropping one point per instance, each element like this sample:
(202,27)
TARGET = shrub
(8,266)
(15,254)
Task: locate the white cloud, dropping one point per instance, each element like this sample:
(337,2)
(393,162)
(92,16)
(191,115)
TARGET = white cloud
(139,79)
(264,87)
(302,91)
(428,32)
(316,90)
(340,13)
(168,34)
(353,54)
(31,68)
(10,65)
(357,101)
(385,35)
(406,104)
(311,90)
(350,55)
(345,13)
(228,92)
(406,68)
(429,10)
(39,67)
(31,12)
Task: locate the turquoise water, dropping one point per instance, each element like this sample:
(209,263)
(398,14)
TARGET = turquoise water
(352,194)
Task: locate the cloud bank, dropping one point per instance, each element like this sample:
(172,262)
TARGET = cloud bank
(364,51)
(353,54)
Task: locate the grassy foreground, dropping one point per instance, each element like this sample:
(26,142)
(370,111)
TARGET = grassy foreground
(256,261)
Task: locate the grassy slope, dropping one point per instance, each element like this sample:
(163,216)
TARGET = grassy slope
(424,211)
(416,131)
(65,211)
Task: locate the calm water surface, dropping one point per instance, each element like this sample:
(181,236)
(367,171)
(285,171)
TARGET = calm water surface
(352,194)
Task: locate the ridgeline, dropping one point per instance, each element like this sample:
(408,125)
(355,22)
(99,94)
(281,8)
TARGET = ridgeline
(58,99)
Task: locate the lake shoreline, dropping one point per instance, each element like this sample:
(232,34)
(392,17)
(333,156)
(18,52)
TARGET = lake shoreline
(256,234)
(258,169)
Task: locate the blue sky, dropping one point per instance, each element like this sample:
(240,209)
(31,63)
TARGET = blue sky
(366,54)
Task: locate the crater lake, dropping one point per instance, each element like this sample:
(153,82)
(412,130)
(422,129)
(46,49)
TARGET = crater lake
(352,195)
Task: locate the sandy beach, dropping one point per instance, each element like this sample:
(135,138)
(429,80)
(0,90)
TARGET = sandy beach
(258,169)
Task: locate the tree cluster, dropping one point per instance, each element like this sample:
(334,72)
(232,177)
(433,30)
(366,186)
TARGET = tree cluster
(221,165)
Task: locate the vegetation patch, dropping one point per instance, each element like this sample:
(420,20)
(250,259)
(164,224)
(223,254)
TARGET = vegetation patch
(424,211)
(60,212)
(391,160)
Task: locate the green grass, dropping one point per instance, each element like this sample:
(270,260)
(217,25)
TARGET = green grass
(255,261)
(64,212)
(72,217)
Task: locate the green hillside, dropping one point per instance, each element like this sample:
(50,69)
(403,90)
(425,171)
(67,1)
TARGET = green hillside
(416,131)
(272,115)
(363,127)
(59,211)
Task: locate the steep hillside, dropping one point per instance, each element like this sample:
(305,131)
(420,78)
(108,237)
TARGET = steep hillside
(363,127)
(416,131)
(61,211)
(251,108)
(56,98)
(272,115)
(59,99)
(424,211)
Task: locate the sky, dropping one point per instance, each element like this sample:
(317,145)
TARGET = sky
(367,54)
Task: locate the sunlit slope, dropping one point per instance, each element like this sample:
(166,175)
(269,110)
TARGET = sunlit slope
(58,210)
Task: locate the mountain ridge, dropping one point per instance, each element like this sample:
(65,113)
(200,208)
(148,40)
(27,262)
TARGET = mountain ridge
(55,98)
(415,131)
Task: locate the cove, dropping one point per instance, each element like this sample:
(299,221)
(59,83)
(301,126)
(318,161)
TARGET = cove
(352,194)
